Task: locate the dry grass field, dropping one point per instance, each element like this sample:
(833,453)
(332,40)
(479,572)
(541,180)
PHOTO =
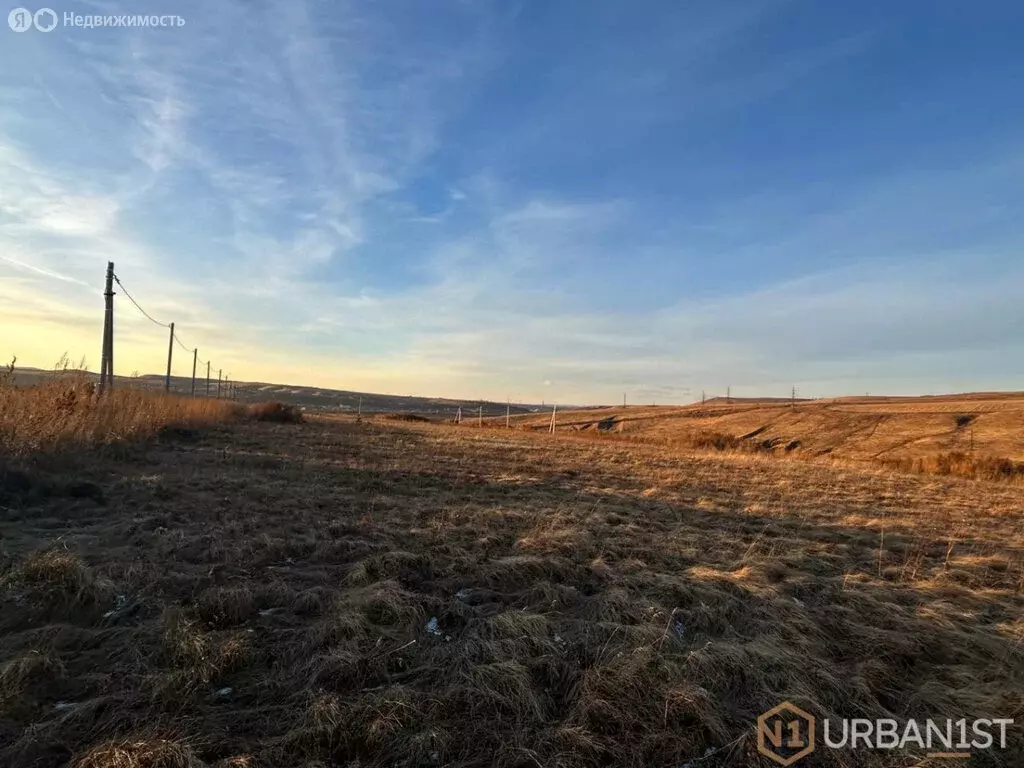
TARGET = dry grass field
(979,435)
(398,593)
(64,413)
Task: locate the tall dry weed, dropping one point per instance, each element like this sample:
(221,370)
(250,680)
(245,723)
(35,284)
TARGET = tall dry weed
(67,412)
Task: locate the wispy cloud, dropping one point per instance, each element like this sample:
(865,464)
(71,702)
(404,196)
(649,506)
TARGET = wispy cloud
(470,201)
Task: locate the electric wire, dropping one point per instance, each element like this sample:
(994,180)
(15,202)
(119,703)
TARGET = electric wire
(133,301)
(153,320)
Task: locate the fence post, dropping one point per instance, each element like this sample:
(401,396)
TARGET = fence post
(207,378)
(107,358)
(170,354)
(195,359)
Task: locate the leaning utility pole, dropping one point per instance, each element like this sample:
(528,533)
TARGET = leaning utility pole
(107,357)
(170,353)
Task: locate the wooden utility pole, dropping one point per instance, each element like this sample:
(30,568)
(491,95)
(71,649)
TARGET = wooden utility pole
(195,359)
(107,357)
(728,394)
(207,378)
(170,354)
(508,408)
(480,417)
(359,409)
(220,372)
(554,410)
(702,397)
(623,399)
(458,416)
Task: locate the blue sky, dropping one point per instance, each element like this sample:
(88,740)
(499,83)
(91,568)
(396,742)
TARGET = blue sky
(559,201)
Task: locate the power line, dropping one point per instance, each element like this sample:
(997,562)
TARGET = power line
(133,301)
(180,344)
(107,365)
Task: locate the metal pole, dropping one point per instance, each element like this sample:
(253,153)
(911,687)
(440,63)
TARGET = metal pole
(170,354)
(195,359)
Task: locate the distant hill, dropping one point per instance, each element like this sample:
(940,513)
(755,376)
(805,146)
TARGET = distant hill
(863,428)
(311,398)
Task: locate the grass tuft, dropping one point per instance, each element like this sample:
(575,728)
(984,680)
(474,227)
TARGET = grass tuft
(277,412)
(141,753)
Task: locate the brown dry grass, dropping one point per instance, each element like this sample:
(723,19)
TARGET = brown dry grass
(974,436)
(66,413)
(962,465)
(280,412)
(404,594)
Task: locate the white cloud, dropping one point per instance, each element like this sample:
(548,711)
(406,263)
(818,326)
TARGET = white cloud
(246,185)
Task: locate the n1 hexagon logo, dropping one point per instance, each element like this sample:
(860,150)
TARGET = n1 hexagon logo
(785,734)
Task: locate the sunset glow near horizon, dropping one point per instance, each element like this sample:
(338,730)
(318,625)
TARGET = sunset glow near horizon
(542,201)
